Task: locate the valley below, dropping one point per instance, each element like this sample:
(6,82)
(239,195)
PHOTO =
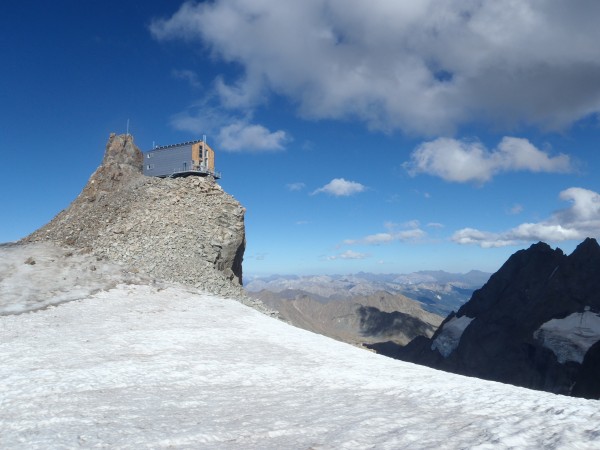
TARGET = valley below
(365,309)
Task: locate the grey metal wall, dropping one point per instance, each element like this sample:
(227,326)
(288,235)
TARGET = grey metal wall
(163,162)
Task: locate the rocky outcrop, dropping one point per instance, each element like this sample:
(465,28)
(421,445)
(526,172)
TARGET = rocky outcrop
(534,324)
(183,229)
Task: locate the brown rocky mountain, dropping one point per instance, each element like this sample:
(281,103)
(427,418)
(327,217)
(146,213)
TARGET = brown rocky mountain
(357,320)
(177,229)
(535,323)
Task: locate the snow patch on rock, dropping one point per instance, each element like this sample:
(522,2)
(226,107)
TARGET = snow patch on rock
(449,338)
(571,337)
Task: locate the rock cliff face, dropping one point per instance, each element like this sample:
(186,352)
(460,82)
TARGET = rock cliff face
(184,229)
(536,323)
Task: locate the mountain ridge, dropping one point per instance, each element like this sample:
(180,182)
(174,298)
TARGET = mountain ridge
(358,320)
(532,324)
(439,292)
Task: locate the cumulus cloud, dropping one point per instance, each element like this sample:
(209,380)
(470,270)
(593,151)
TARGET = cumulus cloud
(339,187)
(424,67)
(201,119)
(231,132)
(298,186)
(580,220)
(409,224)
(466,161)
(240,136)
(348,254)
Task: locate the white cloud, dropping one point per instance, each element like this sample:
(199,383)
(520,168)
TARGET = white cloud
(424,67)
(201,119)
(410,224)
(295,186)
(372,239)
(435,225)
(388,237)
(348,254)
(580,220)
(187,75)
(481,238)
(240,136)
(464,161)
(232,132)
(339,187)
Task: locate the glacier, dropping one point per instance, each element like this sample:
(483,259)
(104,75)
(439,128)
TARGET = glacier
(163,366)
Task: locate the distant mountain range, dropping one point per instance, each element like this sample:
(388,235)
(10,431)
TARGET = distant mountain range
(439,292)
(362,319)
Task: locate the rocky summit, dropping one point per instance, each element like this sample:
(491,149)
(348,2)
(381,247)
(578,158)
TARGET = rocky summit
(535,323)
(176,229)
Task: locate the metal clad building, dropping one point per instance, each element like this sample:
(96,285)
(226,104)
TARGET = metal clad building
(187,158)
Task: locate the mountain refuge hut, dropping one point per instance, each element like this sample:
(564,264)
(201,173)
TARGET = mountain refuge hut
(181,160)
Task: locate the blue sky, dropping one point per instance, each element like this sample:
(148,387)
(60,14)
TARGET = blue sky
(379,136)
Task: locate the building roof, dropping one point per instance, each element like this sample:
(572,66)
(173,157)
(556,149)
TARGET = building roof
(176,145)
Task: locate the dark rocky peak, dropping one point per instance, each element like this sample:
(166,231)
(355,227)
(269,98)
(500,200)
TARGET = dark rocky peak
(516,281)
(536,324)
(580,276)
(526,262)
(586,253)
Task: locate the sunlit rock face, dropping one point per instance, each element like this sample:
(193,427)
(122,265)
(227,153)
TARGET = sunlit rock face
(184,229)
(535,323)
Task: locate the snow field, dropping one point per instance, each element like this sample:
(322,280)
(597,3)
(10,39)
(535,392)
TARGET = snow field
(144,367)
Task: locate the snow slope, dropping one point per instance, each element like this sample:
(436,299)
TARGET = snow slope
(139,366)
